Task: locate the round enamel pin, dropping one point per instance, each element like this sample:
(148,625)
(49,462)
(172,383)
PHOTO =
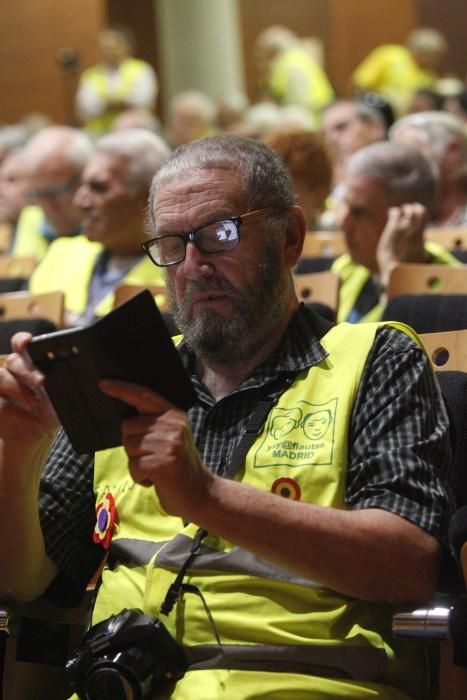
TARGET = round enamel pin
(287,488)
(105,519)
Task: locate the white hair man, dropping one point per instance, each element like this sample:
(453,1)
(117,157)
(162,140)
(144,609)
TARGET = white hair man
(111,200)
(389,196)
(55,158)
(192,115)
(442,138)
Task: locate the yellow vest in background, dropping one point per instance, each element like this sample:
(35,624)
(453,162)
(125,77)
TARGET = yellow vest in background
(353,278)
(29,239)
(296,78)
(68,267)
(302,452)
(96,77)
(391,71)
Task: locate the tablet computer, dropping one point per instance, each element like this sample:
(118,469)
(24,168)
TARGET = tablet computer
(130,343)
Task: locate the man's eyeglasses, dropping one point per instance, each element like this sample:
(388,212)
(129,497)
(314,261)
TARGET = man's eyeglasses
(55,192)
(218,237)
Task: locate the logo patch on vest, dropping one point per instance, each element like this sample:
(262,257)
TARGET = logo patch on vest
(300,436)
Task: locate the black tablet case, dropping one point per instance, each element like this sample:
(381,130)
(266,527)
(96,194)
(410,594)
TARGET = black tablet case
(130,343)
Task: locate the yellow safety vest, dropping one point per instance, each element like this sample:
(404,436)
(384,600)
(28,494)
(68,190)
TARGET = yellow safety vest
(256,606)
(29,239)
(96,77)
(68,267)
(296,78)
(391,70)
(353,278)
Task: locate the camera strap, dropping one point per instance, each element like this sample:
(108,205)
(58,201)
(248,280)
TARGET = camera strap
(250,433)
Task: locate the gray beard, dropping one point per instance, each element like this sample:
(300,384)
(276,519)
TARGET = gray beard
(221,340)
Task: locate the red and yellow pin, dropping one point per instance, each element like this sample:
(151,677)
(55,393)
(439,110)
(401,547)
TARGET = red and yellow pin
(287,488)
(105,519)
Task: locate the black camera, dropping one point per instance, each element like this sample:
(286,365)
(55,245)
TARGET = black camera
(129,656)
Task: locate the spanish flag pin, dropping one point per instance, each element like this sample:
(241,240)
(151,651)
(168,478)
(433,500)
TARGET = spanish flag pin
(287,488)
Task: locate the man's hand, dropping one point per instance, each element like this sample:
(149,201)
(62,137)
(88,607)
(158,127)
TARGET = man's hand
(402,239)
(26,413)
(160,449)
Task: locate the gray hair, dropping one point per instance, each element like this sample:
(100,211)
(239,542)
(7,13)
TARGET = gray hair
(144,152)
(426,39)
(205,107)
(265,179)
(363,111)
(435,129)
(404,172)
(72,144)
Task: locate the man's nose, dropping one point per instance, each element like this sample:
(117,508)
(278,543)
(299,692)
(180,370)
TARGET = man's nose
(196,261)
(81,197)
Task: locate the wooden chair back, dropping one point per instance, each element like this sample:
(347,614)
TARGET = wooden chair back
(124,292)
(13,266)
(454,238)
(447,350)
(415,278)
(320,244)
(6,234)
(17,305)
(322,287)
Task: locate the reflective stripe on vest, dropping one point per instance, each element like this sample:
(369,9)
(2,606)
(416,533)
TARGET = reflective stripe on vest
(356,663)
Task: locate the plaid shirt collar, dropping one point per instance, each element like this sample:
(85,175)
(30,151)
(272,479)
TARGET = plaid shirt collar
(298,350)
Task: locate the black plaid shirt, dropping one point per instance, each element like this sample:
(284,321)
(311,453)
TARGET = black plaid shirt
(399,451)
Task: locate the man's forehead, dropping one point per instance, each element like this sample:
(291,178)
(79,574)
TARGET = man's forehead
(362,189)
(213,185)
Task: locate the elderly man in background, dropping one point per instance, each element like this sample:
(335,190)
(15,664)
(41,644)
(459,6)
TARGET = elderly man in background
(390,195)
(13,188)
(111,200)
(55,159)
(442,138)
(192,115)
(347,126)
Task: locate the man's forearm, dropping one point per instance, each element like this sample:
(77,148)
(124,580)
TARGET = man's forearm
(26,568)
(370,554)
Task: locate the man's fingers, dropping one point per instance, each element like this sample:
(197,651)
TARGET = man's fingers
(143,399)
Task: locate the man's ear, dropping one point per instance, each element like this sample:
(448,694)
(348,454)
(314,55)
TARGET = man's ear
(294,236)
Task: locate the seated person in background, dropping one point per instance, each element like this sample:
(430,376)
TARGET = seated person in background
(192,115)
(390,195)
(118,82)
(347,126)
(396,71)
(425,100)
(55,156)
(442,138)
(334,509)
(289,73)
(308,163)
(457,104)
(135,118)
(111,200)
(13,188)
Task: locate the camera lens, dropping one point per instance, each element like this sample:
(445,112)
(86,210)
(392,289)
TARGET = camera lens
(109,684)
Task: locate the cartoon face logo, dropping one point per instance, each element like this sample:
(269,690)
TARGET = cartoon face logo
(285,423)
(316,423)
(301,435)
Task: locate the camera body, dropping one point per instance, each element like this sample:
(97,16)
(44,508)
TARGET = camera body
(129,656)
